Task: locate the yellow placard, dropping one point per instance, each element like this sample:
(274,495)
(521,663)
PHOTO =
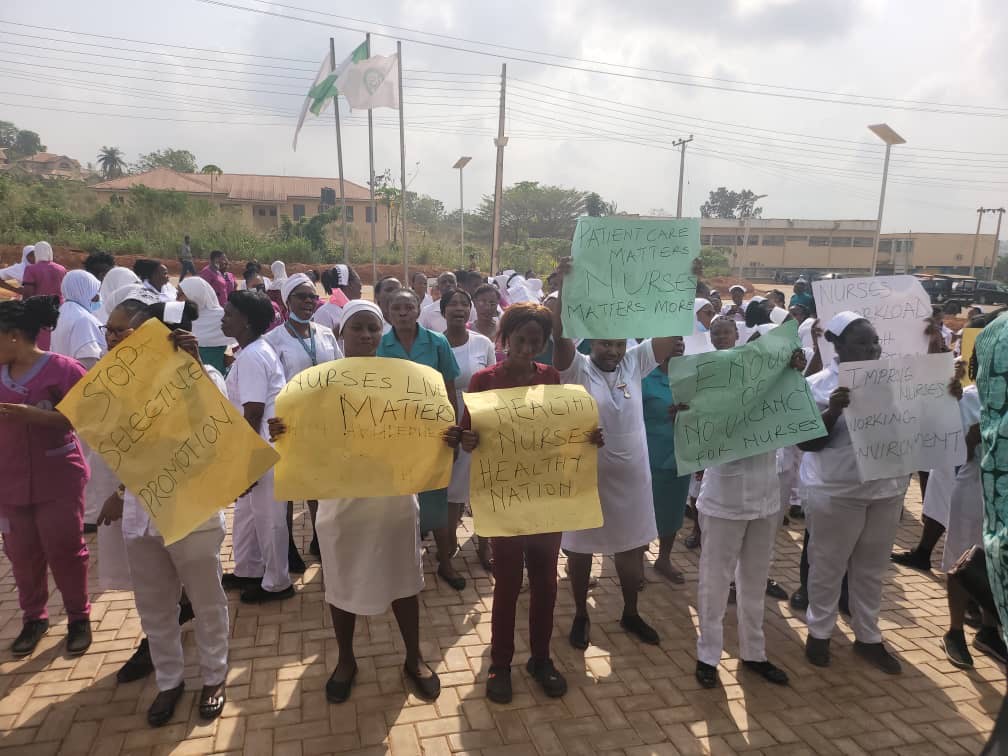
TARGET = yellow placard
(165,430)
(534,470)
(969,336)
(363,426)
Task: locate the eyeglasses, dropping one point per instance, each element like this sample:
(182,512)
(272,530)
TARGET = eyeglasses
(117,332)
(305,296)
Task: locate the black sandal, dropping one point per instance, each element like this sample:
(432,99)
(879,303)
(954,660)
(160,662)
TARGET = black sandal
(163,707)
(427,688)
(707,675)
(338,691)
(212,700)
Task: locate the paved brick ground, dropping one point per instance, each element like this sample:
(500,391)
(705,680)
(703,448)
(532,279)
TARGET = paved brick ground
(624,698)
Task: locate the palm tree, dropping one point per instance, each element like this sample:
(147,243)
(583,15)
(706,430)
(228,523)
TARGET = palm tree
(111,162)
(212,170)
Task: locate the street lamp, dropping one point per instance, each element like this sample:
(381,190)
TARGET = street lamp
(745,239)
(884,132)
(461,163)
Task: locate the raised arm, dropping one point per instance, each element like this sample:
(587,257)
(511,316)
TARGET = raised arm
(563,348)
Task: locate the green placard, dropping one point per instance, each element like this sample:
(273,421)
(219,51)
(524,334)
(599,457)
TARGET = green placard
(742,402)
(632,278)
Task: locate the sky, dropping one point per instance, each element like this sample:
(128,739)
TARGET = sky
(597,92)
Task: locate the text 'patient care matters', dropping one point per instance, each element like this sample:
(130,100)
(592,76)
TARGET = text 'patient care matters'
(166,431)
(901,417)
(631,278)
(363,426)
(535,469)
(742,402)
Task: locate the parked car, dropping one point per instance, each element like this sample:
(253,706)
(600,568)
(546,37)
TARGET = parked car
(938,288)
(981,292)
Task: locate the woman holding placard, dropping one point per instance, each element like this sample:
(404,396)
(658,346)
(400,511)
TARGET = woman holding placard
(370,547)
(410,341)
(612,374)
(300,344)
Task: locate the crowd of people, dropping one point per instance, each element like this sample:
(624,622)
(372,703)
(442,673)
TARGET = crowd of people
(253,334)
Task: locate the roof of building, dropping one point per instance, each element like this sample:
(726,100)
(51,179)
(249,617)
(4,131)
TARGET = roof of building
(236,186)
(47,157)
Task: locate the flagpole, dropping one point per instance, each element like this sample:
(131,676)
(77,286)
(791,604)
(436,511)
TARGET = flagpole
(339,156)
(402,167)
(374,206)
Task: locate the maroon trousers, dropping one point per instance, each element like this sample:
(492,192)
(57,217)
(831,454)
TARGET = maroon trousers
(538,554)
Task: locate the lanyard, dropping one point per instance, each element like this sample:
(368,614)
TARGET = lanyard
(307,344)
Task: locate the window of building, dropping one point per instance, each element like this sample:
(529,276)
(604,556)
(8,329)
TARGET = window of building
(262,211)
(349,213)
(818,241)
(753,240)
(864,241)
(298,212)
(721,240)
(773,241)
(885,245)
(705,239)
(369,214)
(840,241)
(958,257)
(797,238)
(272,212)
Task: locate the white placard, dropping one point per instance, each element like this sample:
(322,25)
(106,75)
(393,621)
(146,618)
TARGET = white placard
(698,343)
(897,306)
(901,416)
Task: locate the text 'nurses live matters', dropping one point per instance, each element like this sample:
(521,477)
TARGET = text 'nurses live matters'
(363,426)
(742,402)
(631,278)
(165,430)
(535,469)
(901,417)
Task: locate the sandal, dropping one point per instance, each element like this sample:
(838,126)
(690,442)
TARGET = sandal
(458,582)
(427,688)
(163,707)
(707,675)
(211,701)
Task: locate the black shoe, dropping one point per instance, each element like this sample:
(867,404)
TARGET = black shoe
(732,595)
(707,675)
(259,595)
(338,691)
(458,582)
(878,655)
(78,637)
(163,708)
(795,512)
(313,548)
(817,651)
(775,591)
(231,582)
(552,682)
(29,637)
(580,633)
(185,612)
(988,640)
(634,625)
(799,600)
(137,666)
(427,688)
(498,685)
(90,528)
(914,559)
(295,564)
(767,671)
(954,643)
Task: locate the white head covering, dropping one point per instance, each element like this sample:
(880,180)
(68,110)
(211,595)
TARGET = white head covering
(839,322)
(206,328)
(81,287)
(279,271)
(138,292)
(764,329)
(342,275)
(535,287)
(778,315)
(740,287)
(43,252)
(25,252)
(290,283)
(699,304)
(518,290)
(360,305)
(115,279)
(16,271)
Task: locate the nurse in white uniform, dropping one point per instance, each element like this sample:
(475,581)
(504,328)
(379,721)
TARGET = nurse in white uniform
(301,344)
(370,548)
(260,523)
(15,272)
(612,375)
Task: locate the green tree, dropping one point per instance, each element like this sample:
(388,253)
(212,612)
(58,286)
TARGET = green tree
(111,161)
(723,203)
(8,133)
(596,207)
(532,211)
(182,161)
(26,143)
(211,169)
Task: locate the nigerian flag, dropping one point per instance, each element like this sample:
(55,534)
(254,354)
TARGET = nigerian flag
(323,89)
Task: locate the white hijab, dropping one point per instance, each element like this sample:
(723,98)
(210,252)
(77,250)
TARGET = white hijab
(114,280)
(78,333)
(43,252)
(279,271)
(16,271)
(207,327)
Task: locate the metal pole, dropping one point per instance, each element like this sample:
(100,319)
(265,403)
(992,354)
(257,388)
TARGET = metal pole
(681,144)
(745,243)
(500,141)
(374,205)
(881,205)
(461,220)
(339,157)
(976,240)
(997,235)
(402,167)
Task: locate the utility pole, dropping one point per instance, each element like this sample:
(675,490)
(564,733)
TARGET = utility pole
(681,144)
(501,142)
(976,240)
(997,235)
(339,158)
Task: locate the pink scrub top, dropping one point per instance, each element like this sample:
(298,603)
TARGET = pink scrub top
(48,278)
(39,464)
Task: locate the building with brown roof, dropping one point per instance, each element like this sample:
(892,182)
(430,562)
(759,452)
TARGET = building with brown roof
(261,201)
(48,165)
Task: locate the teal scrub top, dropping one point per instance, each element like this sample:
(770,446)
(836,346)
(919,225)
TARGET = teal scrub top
(657,397)
(429,348)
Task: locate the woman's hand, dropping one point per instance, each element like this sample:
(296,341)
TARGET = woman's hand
(277,428)
(596,437)
(839,400)
(468,441)
(960,369)
(564,268)
(186,342)
(798,361)
(675,409)
(955,388)
(111,510)
(10,411)
(452,437)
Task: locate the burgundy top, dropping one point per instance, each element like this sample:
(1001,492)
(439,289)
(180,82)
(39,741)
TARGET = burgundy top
(494,377)
(222,283)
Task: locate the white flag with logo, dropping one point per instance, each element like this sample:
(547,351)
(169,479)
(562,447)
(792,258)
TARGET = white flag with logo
(323,89)
(371,83)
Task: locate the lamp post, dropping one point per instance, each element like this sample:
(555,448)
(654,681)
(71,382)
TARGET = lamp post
(884,132)
(745,238)
(461,163)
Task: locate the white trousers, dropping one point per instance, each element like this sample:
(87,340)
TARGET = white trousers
(260,536)
(739,549)
(788,464)
(853,536)
(159,573)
